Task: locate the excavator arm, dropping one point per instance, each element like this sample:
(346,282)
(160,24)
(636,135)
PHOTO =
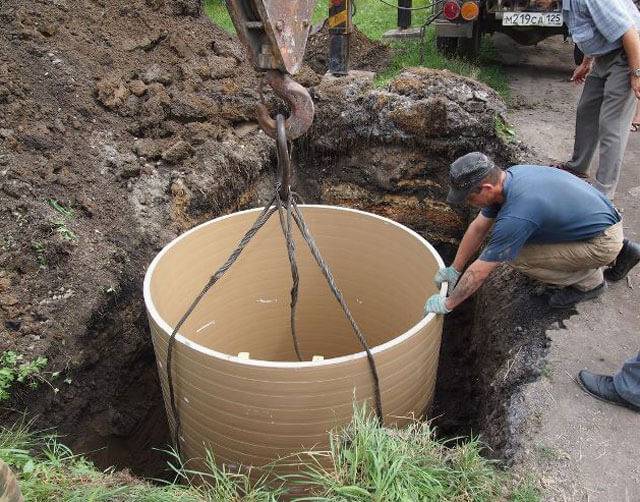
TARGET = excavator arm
(275,34)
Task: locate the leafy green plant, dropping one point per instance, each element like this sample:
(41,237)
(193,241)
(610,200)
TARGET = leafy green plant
(39,248)
(504,131)
(60,224)
(13,368)
(66,212)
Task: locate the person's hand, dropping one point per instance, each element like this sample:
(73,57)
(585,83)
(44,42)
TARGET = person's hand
(635,85)
(436,303)
(581,72)
(449,274)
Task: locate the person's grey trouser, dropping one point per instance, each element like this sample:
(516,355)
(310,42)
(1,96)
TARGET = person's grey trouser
(627,381)
(603,119)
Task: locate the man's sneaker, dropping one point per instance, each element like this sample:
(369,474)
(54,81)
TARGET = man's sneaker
(601,387)
(566,297)
(627,258)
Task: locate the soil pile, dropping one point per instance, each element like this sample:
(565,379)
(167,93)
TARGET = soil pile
(364,54)
(126,122)
(122,124)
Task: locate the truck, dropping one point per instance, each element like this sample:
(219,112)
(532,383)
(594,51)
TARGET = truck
(462,23)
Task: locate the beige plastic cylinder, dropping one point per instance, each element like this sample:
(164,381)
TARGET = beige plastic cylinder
(240,390)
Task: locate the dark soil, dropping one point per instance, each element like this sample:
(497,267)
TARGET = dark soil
(131,116)
(492,346)
(126,122)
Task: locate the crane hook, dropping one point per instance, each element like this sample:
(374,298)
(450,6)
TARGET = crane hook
(297,99)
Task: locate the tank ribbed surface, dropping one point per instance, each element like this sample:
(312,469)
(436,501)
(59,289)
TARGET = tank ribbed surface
(253,411)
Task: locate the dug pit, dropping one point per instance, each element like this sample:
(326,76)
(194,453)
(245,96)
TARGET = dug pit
(149,131)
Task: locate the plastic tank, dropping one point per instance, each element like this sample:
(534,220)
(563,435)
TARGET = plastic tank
(254,410)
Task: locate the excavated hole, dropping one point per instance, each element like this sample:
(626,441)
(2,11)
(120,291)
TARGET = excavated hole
(487,354)
(495,342)
(492,345)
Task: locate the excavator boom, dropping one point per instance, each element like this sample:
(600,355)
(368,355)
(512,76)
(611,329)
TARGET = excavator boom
(274,31)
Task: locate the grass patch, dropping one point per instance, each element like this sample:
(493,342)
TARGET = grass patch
(48,470)
(376,463)
(370,463)
(526,491)
(414,53)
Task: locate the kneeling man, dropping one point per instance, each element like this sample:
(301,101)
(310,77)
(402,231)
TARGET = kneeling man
(547,223)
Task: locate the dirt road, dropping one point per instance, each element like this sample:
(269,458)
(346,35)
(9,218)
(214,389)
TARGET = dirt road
(585,450)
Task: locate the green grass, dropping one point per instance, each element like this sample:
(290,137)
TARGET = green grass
(408,54)
(370,463)
(374,18)
(48,471)
(526,491)
(60,223)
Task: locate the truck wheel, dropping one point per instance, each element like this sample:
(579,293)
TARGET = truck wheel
(470,47)
(447,45)
(9,490)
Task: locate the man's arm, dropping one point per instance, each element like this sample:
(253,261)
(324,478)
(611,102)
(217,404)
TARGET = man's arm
(472,240)
(470,281)
(631,44)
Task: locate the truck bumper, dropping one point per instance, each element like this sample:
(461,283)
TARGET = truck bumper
(446,28)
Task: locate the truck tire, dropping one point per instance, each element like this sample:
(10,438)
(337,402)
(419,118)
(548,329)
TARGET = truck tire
(9,490)
(469,48)
(447,45)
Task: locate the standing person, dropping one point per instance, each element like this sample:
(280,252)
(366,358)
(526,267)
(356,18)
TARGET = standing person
(622,389)
(544,222)
(606,31)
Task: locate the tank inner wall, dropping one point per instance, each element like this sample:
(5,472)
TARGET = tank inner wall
(254,411)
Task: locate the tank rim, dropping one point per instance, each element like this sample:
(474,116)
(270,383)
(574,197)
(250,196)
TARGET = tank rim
(166,329)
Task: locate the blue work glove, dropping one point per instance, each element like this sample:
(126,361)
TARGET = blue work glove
(435,303)
(449,274)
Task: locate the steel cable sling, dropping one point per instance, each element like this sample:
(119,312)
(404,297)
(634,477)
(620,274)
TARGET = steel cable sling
(289,213)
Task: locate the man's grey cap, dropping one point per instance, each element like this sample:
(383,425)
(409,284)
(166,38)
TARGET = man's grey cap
(465,174)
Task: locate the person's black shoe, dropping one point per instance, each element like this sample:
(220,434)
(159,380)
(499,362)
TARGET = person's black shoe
(566,297)
(627,258)
(601,387)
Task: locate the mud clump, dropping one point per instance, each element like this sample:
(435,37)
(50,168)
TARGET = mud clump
(387,150)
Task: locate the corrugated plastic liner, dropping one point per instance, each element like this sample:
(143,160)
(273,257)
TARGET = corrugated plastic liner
(256,410)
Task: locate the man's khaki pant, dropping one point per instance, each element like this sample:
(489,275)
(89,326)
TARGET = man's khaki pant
(577,263)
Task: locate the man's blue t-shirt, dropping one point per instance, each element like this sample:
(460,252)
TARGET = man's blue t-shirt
(545,205)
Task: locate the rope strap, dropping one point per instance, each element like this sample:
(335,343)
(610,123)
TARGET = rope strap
(289,213)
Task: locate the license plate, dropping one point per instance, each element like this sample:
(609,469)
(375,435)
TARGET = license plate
(532,19)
